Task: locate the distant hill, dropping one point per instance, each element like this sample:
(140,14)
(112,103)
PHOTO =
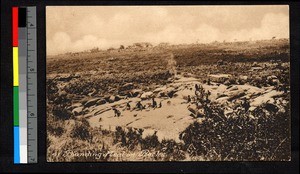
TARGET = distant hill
(259,51)
(155,57)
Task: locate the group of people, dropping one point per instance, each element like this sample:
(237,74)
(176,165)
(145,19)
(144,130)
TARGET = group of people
(200,95)
(138,106)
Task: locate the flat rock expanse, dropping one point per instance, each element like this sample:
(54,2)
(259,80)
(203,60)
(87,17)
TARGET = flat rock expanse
(174,116)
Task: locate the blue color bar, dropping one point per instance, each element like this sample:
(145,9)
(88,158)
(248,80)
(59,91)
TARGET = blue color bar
(16,145)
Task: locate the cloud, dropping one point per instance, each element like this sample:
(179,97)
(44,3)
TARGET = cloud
(176,35)
(91,25)
(61,43)
(272,25)
(72,29)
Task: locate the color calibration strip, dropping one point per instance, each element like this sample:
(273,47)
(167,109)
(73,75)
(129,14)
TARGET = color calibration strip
(24,85)
(15,24)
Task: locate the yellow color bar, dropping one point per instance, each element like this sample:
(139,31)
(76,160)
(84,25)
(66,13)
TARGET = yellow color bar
(15,66)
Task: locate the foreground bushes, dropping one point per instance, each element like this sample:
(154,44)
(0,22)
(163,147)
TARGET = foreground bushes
(240,137)
(132,140)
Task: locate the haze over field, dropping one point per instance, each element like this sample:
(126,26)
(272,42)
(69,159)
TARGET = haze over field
(73,29)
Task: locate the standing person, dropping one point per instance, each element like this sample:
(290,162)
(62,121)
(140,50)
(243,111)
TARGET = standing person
(117,112)
(189,99)
(128,106)
(154,103)
(160,104)
(139,105)
(196,87)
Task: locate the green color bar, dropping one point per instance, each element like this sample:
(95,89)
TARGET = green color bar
(16,106)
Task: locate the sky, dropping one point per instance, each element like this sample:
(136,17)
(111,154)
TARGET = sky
(79,28)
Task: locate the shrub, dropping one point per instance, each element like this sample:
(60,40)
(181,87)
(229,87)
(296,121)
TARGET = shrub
(129,139)
(61,113)
(150,142)
(55,130)
(173,151)
(81,130)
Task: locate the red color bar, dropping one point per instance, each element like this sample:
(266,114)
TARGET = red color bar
(15,25)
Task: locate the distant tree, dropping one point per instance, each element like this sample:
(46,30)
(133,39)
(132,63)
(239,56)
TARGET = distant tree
(94,50)
(122,47)
(110,49)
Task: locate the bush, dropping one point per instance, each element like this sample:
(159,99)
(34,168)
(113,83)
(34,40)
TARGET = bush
(81,130)
(150,142)
(173,151)
(61,113)
(129,139)
(55,130)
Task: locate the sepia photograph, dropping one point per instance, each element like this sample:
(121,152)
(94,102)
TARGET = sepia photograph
(168,83)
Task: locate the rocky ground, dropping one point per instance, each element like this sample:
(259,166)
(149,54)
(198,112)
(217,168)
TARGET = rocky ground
(89,109)
(175,113)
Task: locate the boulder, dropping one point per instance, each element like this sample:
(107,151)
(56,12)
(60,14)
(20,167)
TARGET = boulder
(236,95)
(62,93)
(77,111)
(233,88)
(146,95)
(220,88)
(243,77)
(135,93)
(222,100)
(219,78)
(170,91)
(91,102)
(271,77)
(167,92)
(221,95)
(73,106)
(157,90)
(113,98)
(268,97)
(227,82)
(64,78)
(83,101)
(255,68)
(101,102)
(127,86)
(117,98)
